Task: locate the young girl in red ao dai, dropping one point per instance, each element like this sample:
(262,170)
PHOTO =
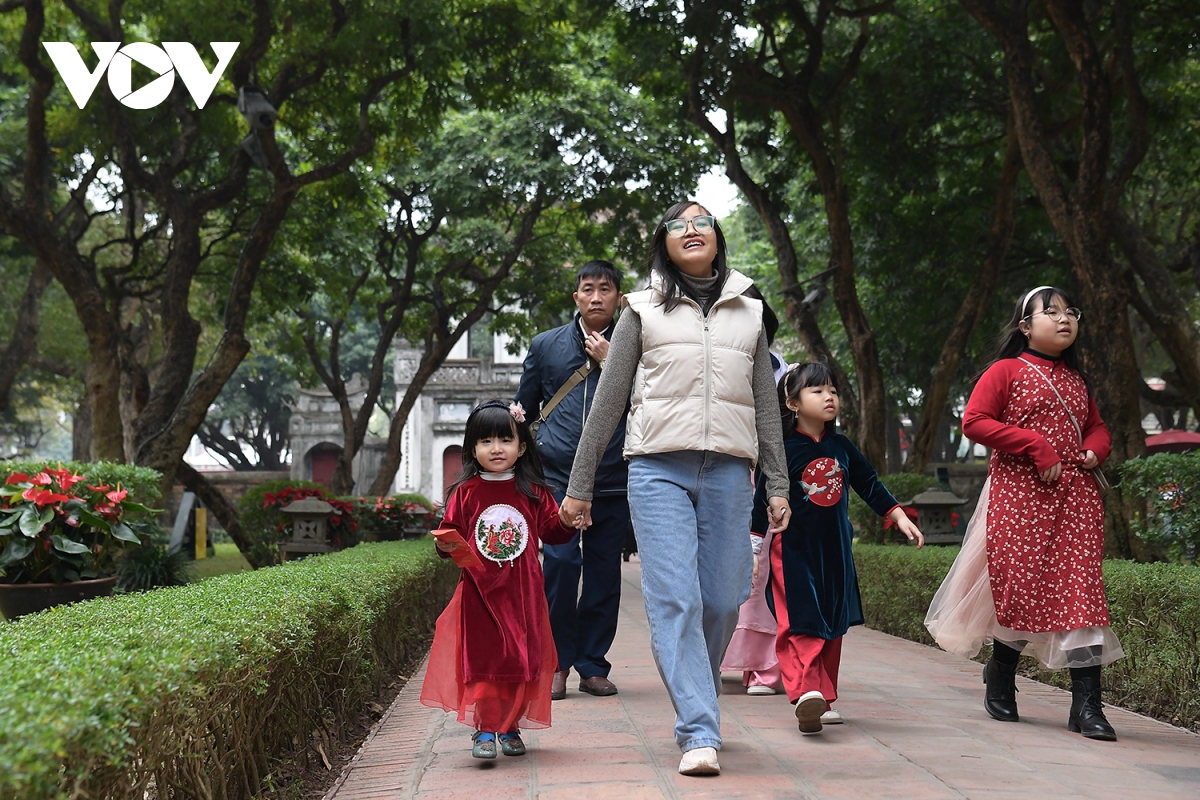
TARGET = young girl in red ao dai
(493,656)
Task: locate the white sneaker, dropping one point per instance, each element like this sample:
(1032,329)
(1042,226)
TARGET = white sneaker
(809,709)
(760,690)
(701,761)
(831,717)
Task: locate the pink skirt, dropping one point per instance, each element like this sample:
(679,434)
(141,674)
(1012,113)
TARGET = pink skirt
(752,648)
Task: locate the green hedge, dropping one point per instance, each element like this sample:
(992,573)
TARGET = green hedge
(200,690)
(1169,485)
(142,482)
(1155,611)
(903,486)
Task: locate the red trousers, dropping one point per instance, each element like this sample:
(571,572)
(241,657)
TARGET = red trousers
(808,663)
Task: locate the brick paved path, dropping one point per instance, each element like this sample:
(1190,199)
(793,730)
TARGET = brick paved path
(915,728)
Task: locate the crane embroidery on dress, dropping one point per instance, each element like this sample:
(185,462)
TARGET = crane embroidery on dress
(823,481)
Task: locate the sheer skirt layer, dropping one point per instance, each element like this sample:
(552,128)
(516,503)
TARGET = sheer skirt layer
(486,705)
(962,616)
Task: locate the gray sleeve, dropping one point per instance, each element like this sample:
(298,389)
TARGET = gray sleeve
(771,459)
(612,396)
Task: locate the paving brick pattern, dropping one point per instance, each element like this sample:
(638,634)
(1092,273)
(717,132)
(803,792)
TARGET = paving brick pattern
(915,728)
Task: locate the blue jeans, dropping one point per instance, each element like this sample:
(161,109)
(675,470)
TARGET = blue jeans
(585,621)
(691,514)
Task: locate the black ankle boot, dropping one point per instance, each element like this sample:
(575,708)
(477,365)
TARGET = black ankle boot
(1087,712)
(1000,696)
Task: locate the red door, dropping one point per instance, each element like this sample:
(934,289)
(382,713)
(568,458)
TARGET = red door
(324,462)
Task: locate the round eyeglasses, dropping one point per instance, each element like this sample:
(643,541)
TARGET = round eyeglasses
(1056,314)
(676,228)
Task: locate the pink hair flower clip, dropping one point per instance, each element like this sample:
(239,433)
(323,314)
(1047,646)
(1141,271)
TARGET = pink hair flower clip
(518,411)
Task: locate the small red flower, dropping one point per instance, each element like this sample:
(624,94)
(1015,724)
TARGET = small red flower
(43,497)
(17,477)
(41,479)
(101,488)
(64,477)
(117,496)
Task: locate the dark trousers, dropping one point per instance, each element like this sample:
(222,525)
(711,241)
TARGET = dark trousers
(585,621)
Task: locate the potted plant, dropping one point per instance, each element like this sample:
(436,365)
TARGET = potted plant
(396,517)
(60,536)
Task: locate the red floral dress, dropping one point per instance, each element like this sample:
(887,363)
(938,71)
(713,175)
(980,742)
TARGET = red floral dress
(1045,541)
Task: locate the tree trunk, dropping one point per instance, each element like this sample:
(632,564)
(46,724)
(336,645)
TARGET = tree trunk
(1166,313)
(81,431)
(216,501)
(983,288)
(1080,214)
(25,331)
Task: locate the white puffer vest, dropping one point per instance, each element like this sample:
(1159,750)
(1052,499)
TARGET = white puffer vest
(694,384)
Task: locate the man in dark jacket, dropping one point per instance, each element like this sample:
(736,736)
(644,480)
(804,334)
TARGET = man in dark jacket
(584,622)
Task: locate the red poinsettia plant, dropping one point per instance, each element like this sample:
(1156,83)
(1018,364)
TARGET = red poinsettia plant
(393,513)
(57,527)
(342,524)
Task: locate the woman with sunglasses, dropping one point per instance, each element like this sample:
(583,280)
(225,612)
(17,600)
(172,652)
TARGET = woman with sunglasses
(689,357)
(1028,576)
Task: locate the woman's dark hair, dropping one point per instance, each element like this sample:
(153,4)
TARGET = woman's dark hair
(770,321)
(494,420)
(803,376)
(659,262)
(1012,341)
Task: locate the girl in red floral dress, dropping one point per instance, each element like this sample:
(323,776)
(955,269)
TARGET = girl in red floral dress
(1028,578)
(493,656)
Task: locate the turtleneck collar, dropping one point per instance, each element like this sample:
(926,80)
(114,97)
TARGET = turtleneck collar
(1029,351)
(507,475)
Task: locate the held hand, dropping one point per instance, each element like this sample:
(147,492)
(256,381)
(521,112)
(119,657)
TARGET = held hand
(575,513)
(443,547)
(779,514)
(1051,475)
(1090,461)
(905,526)
(596,347)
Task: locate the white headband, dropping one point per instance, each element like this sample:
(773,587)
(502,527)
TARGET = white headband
(1032,292)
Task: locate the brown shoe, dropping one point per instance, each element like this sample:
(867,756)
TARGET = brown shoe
(598,685)
(558,689)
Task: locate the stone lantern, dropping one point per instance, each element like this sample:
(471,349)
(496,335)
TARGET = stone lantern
(310,521)
(933,516)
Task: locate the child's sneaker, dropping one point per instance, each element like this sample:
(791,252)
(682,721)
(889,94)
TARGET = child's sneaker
(485,745)
(760,690)
(511,744)
(809,709)
(831,717)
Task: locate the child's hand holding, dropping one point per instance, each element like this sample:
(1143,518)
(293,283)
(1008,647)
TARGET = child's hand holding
(905,526)
(575,513)
(779,514)
(443,547)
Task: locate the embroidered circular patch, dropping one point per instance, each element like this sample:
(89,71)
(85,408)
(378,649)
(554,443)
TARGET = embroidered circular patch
(823,481)
(501,533)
